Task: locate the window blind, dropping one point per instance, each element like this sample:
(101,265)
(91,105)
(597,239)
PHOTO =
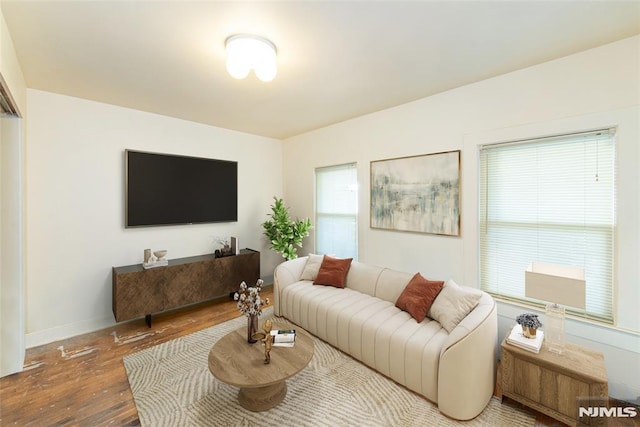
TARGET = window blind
(549,200)
(337,210)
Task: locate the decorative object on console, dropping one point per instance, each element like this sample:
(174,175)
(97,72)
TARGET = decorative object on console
(156,260)
(417,193)
(235,247)
(226,249)
(559,286)
(283,233)
(250,304)
(529,323)
(225,242)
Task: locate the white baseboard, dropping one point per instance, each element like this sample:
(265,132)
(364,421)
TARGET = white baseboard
(58,333)
(50,335)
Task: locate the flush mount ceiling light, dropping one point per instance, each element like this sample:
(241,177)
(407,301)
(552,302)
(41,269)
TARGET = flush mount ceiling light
(247,52)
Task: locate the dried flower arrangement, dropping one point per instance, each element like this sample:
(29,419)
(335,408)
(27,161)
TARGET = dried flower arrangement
(249,301)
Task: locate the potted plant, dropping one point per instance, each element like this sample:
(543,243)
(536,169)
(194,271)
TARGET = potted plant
(283,232)
(529,323)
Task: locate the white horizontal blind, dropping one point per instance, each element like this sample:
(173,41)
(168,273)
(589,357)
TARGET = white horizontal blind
(549,200)
(337,210)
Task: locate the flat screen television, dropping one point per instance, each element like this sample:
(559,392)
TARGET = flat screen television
(165,189)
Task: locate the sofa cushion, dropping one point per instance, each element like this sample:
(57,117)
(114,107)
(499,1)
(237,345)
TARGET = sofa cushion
(363,277)
(453,303)
(333,271)
(311,268)
(417,297)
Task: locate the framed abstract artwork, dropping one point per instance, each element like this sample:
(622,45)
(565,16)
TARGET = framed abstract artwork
(417,193)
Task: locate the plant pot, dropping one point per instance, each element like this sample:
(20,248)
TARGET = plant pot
(529,332)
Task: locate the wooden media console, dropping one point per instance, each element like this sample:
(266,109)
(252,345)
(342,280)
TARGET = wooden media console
(138,292)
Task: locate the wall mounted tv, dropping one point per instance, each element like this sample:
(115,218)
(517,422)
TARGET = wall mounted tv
(164,189)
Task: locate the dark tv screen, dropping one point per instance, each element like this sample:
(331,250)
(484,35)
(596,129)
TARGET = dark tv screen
(164,189)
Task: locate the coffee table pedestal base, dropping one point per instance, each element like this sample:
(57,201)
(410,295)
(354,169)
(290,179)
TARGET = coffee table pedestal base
(259,399)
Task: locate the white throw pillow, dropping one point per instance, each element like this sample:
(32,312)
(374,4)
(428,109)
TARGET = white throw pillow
(312,267)
(453,303)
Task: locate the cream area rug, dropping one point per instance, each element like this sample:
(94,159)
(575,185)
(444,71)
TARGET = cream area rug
(172,386)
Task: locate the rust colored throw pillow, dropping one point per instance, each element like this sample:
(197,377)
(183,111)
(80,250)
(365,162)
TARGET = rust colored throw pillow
(333,271)
(418,295)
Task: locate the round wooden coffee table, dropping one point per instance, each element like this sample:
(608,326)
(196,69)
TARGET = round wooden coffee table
(234,361)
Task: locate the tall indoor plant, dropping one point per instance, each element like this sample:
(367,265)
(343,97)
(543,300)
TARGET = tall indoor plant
(283,232)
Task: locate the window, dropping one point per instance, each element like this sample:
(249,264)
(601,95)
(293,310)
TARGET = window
(337,210)
(549,200)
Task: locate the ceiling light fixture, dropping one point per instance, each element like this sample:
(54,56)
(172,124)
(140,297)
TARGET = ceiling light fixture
(247,52)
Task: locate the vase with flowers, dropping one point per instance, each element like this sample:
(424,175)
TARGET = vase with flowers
(250,304)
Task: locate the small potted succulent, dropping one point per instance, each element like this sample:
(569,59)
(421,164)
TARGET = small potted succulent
(529,323)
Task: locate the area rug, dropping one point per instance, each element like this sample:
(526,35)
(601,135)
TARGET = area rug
(172,386)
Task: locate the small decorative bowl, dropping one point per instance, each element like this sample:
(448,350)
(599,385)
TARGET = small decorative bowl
(160,254)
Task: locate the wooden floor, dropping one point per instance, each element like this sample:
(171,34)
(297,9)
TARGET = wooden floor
(82,381)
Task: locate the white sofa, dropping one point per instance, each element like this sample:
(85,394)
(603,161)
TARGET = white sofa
(454,369)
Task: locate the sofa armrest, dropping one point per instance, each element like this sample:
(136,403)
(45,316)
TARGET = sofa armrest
(467,370)
(285,274)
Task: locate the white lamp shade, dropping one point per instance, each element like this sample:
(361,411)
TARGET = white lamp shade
(556,283)
(246,52)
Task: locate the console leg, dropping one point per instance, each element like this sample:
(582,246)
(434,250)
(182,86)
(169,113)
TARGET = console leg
(147,318)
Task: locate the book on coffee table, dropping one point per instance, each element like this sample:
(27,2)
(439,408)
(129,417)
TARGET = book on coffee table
(283,337)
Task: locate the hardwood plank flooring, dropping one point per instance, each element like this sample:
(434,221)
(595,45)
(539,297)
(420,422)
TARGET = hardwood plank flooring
(81,381)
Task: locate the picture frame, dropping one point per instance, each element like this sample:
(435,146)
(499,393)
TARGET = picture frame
(418,194)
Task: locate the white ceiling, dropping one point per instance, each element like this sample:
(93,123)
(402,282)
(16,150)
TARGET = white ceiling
(337,60)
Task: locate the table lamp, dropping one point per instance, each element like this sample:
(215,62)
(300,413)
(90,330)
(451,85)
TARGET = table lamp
(560,286)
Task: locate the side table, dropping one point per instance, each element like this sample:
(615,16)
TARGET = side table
(556,384)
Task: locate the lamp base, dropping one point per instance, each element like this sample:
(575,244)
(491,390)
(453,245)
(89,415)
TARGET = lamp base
(554,332)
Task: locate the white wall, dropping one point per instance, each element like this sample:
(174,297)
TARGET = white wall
(582,91)
(10,68)
(75,198)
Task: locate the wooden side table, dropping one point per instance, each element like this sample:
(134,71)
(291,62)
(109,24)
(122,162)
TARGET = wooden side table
(556,384)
